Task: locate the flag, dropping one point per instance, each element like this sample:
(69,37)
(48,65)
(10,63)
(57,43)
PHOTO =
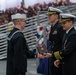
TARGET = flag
(43,63)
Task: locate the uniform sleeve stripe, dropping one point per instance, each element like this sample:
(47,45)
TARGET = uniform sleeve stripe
(57,55)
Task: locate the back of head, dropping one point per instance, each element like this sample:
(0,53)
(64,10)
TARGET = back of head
(18,16)
(19,20)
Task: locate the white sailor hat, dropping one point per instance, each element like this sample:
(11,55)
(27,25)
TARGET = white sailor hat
(52,10)
(66,16)
(18,16)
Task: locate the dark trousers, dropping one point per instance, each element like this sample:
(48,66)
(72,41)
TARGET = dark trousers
(55,71)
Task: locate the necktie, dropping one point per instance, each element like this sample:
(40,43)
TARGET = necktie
(64,40)
(65,37)
(52,27)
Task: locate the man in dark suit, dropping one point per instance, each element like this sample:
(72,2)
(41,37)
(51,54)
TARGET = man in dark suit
(17,49)
(67,55)
(55,38)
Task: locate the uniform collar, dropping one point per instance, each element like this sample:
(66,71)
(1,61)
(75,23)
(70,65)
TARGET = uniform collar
(55,23)
(69,30)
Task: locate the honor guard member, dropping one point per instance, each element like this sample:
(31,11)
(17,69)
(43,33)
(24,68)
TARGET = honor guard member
(55,38)
(17,49)
(67,55)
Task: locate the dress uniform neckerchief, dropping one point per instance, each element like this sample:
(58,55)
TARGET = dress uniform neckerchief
(9,38)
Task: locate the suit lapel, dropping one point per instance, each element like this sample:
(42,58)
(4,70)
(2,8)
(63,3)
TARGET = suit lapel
(66,37)
(54,28)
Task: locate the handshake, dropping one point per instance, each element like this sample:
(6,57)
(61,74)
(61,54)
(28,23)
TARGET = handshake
(48,55)
(45,55)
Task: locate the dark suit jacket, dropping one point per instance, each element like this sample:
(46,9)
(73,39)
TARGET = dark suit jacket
(68,53)
(55,38)
(16,53)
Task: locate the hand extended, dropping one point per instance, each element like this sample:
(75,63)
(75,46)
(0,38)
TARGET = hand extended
(40,56)
(56,63)
(47,55)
